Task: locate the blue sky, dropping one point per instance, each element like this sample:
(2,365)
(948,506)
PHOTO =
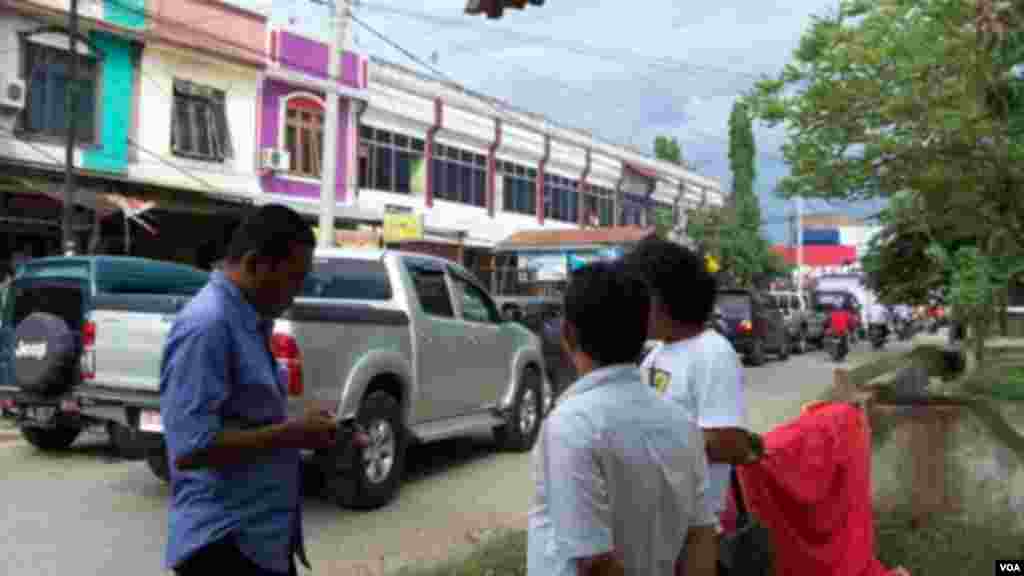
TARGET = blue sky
(624,72)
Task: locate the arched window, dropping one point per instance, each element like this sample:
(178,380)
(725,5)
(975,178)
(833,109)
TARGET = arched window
(304,134)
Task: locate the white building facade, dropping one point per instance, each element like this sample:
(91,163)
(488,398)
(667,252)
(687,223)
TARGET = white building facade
(479,171)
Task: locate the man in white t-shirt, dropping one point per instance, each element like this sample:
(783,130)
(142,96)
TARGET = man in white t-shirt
(695,367)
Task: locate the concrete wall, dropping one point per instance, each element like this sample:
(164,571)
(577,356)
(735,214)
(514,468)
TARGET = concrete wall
(161,64)
(948,461)
(210,26)
(272,106)
(116,104)
(43,151)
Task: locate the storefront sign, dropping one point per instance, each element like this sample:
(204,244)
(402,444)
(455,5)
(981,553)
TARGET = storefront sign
(545,267)
(400,227)
(578,260)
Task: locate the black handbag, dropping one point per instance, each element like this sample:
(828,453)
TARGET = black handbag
(748,551)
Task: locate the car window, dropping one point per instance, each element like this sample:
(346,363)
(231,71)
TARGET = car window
(347,279)
(476,305)
(734,304)
(4,289)
(432,292)
(794,302)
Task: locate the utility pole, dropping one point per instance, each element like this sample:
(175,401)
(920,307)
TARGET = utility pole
(328,178)
(71,107)
(799,240)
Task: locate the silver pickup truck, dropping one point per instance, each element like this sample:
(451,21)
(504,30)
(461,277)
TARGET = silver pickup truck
(411,346)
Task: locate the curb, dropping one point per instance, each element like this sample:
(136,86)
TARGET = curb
(9,435)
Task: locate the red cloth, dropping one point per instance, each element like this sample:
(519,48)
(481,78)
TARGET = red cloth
(839,322)
(812,489)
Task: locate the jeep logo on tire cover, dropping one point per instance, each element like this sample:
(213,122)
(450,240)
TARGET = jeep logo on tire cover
(36,351)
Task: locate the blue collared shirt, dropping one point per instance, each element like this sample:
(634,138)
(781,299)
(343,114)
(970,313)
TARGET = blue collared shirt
(217,372)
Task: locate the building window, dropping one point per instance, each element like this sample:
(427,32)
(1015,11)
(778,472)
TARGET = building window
(632,210)
(663,214)
(561,198)
(520,188)
(48,76)
(599,206)
(304,136)
(391,162)
(199,123)
(459,175)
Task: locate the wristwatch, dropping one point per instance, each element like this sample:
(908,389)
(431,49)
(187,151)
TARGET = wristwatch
(756,448)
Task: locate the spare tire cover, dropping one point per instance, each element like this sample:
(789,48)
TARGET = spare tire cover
(45,350)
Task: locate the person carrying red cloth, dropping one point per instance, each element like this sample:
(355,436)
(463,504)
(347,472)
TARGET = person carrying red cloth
(812,490)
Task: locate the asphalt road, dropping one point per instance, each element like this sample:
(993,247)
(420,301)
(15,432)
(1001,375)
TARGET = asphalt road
(88,512)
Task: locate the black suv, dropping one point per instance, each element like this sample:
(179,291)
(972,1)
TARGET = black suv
(752,324)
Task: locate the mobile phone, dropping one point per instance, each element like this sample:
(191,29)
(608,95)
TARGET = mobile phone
(351,426)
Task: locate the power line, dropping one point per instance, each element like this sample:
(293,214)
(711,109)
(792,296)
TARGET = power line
(57,162)
(159,157)
(580,48)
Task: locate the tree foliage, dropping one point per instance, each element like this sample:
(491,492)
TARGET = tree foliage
(900,263)
(918,98)
(668,149)
(895,95)
(742,152)
(733,234)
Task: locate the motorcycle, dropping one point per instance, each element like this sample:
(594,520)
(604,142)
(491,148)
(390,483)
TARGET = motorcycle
(878,334)
(905,329)
(838,346)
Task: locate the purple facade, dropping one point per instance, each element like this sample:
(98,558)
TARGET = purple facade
(308,58)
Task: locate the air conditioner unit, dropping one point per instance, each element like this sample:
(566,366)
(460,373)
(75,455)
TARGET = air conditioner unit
(12,94)
(275,159)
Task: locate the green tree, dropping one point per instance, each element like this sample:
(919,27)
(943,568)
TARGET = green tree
(742,154)
(668,149)
(914,97)
(733,234)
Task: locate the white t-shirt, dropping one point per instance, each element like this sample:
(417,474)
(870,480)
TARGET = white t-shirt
(878,315)
(704,376)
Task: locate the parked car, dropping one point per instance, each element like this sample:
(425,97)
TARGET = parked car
(411,346)
(44,330)
(752,325)
(806,325)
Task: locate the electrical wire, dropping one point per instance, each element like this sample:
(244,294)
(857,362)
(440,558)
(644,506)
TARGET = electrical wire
(580,48)
(57,162)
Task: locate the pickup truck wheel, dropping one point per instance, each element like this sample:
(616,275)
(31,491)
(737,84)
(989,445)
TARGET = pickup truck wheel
(784,348)
(800,346)
(368,479)
(60,437)
(756,356)
(519,434)
(156,460)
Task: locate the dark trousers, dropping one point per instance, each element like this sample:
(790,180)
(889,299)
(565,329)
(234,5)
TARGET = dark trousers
(224,557)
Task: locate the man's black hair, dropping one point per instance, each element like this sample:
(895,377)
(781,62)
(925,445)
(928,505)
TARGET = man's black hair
(271,231)
(679,276)
(608,307)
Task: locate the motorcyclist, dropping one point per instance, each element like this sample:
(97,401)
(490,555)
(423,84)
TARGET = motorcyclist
(878,321)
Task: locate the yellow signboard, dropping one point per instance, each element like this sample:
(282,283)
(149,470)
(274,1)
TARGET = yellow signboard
(399,227)
(712,264)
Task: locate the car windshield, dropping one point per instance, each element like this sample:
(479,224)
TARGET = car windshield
(348,279)
(830,300)
(734,304)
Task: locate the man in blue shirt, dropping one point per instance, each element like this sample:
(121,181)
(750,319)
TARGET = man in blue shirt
(235,456)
